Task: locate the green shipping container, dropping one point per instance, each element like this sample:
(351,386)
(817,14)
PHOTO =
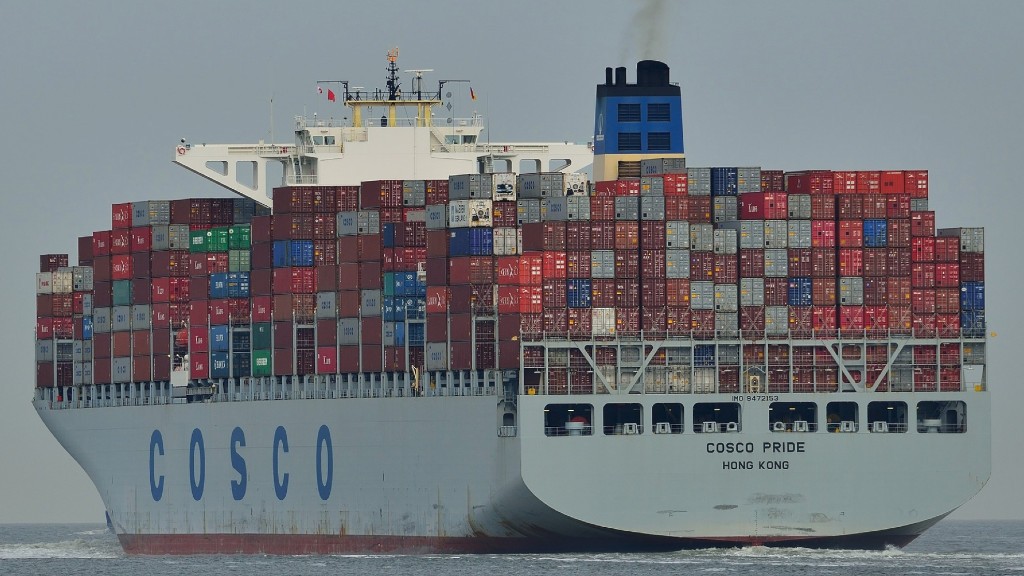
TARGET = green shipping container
(389,284)
(239,237)
(261,363)
(239,260)
(261,332)
(217,240)
(197,241)
(122,292)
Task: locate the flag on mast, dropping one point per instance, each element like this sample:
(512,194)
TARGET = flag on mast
(472,94)
(319,89)
(330,95)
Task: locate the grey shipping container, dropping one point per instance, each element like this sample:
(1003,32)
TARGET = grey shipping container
(698,181)
(655,166)
(702,295)
(799,234)
(160,238)
(82,278)
(972,240)
(748,179)
(178,237)
(44,350)
(101,320)
(627,207)
(159,212)
(776,234)
(677,234)
(326,304)
(83,351)
(578,208)
(527,211)
(651,186)
(82,373)
(652,207)
(142,317)
(370,304)
(751,291)
(465,186)
(799,206)
(918,204)
(750,233)
(677,263)
(554,209)
(541,185)
(776,320)
(368,222)
(348,331)
(348,223)
(412,198)
(602,264)
(726,298)
(121,370)
(121,318)
(776,263)
(436,356)
(724,209)
(727,324)
(437,217)
(140,213)
(725,241)
(702,237)
(851,291)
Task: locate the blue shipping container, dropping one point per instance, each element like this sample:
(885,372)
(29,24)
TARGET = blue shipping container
(301,252)
(972,296)
(87,328)
(800,292)
(387,233)
(577,292)
(471,242)
(415,308)
(219,365)
(972,323)
(416,334)
(282,254)
(875,233)
(238,284)
(704,355)
(219,338)
(219,285)
(399,333)
(724,182)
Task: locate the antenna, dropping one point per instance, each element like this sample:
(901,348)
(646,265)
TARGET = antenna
(417,82)
(393,84)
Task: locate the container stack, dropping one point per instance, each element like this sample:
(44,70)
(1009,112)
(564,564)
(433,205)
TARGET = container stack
(455,275)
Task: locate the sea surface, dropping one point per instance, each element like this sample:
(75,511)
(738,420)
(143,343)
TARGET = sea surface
(951,547)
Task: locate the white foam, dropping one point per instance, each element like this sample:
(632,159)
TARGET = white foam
(77,548)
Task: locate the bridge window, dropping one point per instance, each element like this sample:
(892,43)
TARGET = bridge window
(329,140)
(941,417)
(658,112)
(667,418)
(629,141)
(623,419)
(659,141)
(841,416)
(318,140)
(793,417)
(887,417)
(716,417)
(629,112)
(568,420)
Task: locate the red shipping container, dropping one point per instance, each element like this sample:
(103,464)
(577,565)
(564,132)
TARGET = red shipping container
(580,321)
(823,207)
(627,321)
(851,319)
(554,265)
(875,206)
(810,182)
(199,365)
(699,209)
(675,184)
(800,264)
(947,325)
(947,249)
(652,234)
(602,292)
(924,326)
(63,328)
(142,291)
(555,294)
(121,344)
(121,267)
(876,290)
(897,206)
(654,322)
(899,291)
(922,223)
(752,320)
(726,269)
(101,243)
(199,313)
(676,208)
(776,291)
(876,319)
(677,292)
(437,192)
(844,182)
(898,233)
(627,264)
(751,262)
(922,301)
(851,233)
(140,265)
(120,242)
(915,183)
(947,300)
(677,320)
(531,269)
(577,235)
(217,263)
(899,262)
(869,182)
(460,356)
(823,233)
(702,266)
(972,267)
(876,262)
(773,181)
(556,320)
(141,239)
(437,299)
(900,319)
(850,207)
(824,320)
(653,294)
(602,208)
(283,361)
(627,294)
(922,248)
(508,355)
(851,262)
(198,339)
(627,235)
(892,182)
(327,360)
(578,264)
(121,215)
(617,188)
(506,270)
(531,299)
(702,323)
(823,292)
(922,275)
(947,275)
(763,206)
(141,343)
(508,299)
(161,316)
(44,328)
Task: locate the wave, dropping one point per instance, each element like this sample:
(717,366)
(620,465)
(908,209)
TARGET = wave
(77,548)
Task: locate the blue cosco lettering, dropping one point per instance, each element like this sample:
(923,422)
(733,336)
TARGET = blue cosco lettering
(238,463)
(280,445)
(156,442)
(197,485)
(323,485)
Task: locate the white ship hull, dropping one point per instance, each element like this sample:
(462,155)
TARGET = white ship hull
(433,474)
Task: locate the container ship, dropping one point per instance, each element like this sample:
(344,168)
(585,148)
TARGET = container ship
(421,342)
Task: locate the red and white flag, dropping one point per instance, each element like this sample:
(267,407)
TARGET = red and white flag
(330,95)
(319,89)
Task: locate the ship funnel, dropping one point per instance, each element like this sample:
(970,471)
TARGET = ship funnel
(608,76)
(650,73)
(620,76)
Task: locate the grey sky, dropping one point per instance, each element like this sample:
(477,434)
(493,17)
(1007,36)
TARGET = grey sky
(94,95)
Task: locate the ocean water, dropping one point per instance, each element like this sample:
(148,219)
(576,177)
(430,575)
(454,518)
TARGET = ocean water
(951,547)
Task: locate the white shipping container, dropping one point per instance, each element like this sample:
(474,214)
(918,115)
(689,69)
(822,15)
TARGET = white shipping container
(503,186)
(63,281)
(416,216)
(506,241)
(603,321)
(576,184)
(470,213)
(44,282)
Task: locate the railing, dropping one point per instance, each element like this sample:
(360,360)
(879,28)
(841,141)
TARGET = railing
(757,335)
(507,431)
(568,431)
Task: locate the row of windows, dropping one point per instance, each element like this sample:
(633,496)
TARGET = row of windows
(726,417)
(656,112)
(656,141)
